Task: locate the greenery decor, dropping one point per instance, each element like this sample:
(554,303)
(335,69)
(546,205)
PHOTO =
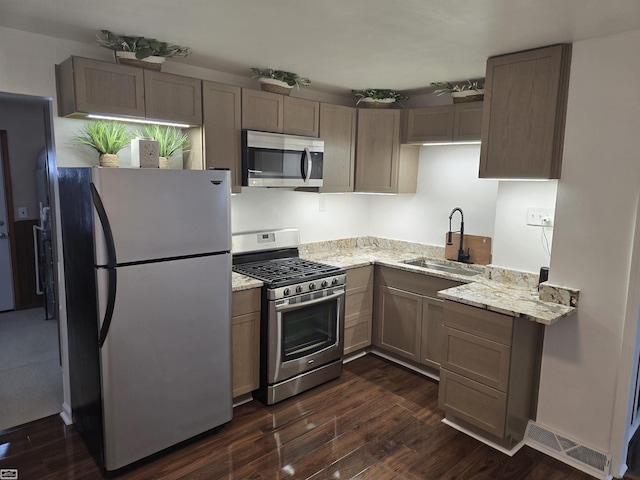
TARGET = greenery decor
(169,139)
(378,94)
(290,78)
(141,46)
(447,87)
(104,136)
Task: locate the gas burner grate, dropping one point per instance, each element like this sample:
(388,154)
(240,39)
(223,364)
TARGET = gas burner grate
(283,271)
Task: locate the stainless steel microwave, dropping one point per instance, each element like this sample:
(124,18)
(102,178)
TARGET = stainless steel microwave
(278,160)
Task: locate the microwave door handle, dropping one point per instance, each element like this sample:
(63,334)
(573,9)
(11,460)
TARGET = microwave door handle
(306,172)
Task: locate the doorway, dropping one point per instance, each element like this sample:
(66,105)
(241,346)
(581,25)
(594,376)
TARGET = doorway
(30,361)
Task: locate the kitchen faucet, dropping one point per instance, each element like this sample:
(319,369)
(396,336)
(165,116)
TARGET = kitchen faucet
(462,256)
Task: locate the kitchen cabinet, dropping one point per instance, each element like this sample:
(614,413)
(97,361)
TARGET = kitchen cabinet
(446,123)
(173,97)
(408,315)
(272,112)
(338,130)
(382,165)
(245,333)
(358,309)
(87,86)
(524,113)
(489,371)
(222,125)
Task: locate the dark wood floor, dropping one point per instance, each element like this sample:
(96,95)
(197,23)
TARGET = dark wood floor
(378,421)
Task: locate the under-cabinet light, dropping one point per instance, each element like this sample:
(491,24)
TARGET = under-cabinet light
(471,142)
(138,120)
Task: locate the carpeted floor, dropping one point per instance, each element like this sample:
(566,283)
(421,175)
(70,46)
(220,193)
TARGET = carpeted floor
(30,371)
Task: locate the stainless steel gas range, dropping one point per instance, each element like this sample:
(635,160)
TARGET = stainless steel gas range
(302,320)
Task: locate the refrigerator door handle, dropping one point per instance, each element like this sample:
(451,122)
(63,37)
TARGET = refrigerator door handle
(111,301)
(111,264)
(106,227)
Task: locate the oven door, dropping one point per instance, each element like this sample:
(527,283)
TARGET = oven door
(305,332)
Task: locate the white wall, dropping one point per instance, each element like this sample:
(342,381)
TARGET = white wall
(266,208)
(518,245)
(447,178)
(595,217)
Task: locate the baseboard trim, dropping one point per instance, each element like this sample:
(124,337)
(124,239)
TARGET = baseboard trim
(65,414)
(495,446)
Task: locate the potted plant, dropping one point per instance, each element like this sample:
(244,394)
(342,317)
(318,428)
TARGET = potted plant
(169,139)
(378,98)
(279,81)
(140,51)
(467,92)
(108,138)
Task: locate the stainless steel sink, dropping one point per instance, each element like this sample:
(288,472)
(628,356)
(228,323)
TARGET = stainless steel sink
(443,267)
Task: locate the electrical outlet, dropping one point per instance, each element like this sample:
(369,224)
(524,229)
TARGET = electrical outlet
(23,212)
(540,217)
(322,203)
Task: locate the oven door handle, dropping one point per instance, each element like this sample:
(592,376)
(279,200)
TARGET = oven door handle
(295,306)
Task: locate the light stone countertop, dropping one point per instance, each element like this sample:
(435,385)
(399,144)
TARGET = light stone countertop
(242,282)
(510,292)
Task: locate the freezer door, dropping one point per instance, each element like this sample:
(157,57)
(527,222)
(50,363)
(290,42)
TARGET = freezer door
(166,361)
(155,214)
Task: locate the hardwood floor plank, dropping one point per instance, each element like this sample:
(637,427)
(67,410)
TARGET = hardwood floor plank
(377,421)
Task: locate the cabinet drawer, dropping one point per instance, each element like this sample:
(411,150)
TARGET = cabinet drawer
(245,301)
(472,402)
(359,276)
(486,324)
(358,302)
(475,357)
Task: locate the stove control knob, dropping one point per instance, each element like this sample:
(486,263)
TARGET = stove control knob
(334,281)
(312,286)
(298,289)
(324,284)
(286,291)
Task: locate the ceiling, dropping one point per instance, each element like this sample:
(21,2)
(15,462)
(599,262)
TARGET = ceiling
(339,44)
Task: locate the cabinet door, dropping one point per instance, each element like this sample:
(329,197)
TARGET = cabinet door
(173,97)
(467,122)
(524,110)
(477,404)
(432,329)
(378,151)
(245,333)
(91,86)
(222,129)
(338,130)
(429,124)
(301,117)
(398,321)
(263,111)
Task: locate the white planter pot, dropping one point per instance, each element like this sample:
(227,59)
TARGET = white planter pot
(467,93)
(377,103)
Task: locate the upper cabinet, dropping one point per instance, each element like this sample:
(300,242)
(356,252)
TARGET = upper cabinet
(381,165)
(222,129)
(524,113)
(271,112)
(173,97)
(338,130)
(446,123)
(87,86)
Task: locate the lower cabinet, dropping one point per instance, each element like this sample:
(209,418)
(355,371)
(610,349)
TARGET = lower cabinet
(408,315)
(489,371)
(245,334)
(358,309)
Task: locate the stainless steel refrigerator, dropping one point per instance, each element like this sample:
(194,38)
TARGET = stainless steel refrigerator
(147,267)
